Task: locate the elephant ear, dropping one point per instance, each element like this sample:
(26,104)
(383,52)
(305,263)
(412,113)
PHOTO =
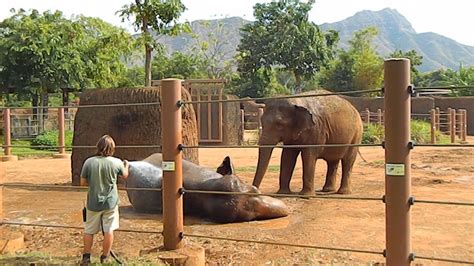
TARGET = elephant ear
(226,167)
(303,120)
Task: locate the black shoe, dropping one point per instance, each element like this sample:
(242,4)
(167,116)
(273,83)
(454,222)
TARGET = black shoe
(103,259)
(86,259)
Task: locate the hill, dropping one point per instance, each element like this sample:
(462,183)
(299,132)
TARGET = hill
(395,32)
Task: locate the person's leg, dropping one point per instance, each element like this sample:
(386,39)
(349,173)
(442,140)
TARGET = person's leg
(91,227)
(107,244)
(110,222)
(88,241)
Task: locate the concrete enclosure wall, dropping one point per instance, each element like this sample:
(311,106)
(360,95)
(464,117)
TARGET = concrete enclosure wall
(128,125)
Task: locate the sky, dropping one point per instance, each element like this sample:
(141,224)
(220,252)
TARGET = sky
(453,18)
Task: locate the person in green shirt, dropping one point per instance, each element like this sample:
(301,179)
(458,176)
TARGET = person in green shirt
(101,173)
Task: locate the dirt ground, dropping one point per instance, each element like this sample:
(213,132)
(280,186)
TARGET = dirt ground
(445,231)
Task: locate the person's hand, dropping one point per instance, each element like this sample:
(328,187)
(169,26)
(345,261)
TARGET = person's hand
(126,164)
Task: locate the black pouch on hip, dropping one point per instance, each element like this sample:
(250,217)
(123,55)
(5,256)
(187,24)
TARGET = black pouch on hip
(84,214)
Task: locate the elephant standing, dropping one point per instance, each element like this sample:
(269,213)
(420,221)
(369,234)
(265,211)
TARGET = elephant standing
(311,120)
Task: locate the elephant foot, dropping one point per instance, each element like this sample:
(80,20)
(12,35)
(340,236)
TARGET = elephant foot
(306,192)
(344,191)
(284,191)
(328,189)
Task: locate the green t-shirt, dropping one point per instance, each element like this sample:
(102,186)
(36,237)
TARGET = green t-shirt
(101,174)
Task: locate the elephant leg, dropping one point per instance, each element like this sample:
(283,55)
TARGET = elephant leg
(330,184)
(287,166)
(347,163)
(309,157)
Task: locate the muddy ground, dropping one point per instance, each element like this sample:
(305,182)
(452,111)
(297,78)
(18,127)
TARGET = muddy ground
(445,231)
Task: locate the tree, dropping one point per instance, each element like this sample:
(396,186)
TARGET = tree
(282,37)
(447,78)
(42,53)
(415,60)
(215,49)
(159,16)
(179,65)
(359,68)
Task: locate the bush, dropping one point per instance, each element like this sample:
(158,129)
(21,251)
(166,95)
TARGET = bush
(50,138)
(420,133)
(373,134)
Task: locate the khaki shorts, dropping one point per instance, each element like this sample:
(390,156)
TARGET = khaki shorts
(110,221)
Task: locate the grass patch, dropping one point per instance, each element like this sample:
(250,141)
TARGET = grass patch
(420,133)
(253,169)
(25,152)
(34,258)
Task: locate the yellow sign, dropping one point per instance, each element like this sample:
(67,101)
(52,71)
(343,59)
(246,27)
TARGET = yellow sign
(395,169)
(168,166)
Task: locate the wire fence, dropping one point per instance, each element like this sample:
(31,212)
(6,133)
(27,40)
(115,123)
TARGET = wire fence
(325,197)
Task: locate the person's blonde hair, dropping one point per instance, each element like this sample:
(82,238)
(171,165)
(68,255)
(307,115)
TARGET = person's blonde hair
(105,146)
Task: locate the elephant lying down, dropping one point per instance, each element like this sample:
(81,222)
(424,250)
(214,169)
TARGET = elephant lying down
(219,208)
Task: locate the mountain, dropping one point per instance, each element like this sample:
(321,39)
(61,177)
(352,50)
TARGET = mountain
(394,32)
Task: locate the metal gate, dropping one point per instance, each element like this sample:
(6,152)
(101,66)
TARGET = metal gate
(208,115)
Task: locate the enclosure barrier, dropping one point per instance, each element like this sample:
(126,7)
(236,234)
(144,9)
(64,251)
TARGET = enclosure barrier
(456,122)
(401,93)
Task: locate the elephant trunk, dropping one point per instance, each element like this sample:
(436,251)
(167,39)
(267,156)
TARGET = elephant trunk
(264,155)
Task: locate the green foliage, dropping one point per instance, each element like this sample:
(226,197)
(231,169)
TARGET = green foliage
(359,68)
(447,77)
(133,77)
(178,65)
(373,133)
(50,138)
(160,16)
(213,49)
(282,37)
(420,133)
(43,52)
(262,83)
(415,60)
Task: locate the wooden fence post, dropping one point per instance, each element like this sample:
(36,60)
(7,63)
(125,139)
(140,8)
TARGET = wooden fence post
(172,164)
(459,126)
(437,118)
(379,116)
(367,115)
(452,124)
(397,161)
(61,136)
(433,126)
(7,149)
(464,125)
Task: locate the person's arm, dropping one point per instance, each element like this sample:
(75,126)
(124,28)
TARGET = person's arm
(84,182)
(125,170)
(84,174)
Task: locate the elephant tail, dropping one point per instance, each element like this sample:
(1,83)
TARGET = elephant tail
(362,157)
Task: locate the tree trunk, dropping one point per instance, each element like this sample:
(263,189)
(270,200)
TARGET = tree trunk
(148,50)
(34,102)
(298,87)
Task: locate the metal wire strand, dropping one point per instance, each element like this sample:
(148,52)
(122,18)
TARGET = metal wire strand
(444,259)
(284,244)
(283,97)
(192,191)
(66,187)
(446,145)
(80,146)
(444,88)
(84,106)
(279,146)
(445,202)
(75,227)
